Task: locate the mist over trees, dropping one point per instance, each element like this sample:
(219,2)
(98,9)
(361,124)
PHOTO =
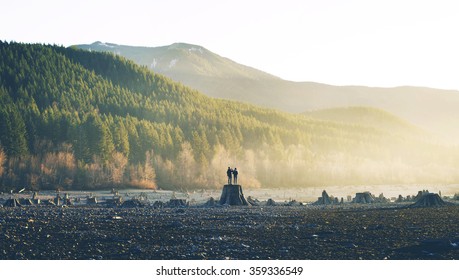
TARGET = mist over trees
(74,119)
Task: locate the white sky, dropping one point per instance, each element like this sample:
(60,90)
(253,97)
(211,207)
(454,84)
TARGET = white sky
(348,42)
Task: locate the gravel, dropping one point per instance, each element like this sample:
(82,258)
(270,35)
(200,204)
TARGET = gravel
(269,232)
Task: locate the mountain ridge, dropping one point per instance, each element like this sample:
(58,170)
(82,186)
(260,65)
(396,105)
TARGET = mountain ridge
(428,108)
(147,56)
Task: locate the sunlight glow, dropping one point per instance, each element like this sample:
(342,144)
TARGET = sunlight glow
(374,43)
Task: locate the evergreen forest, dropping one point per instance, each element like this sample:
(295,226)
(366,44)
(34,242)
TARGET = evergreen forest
(75,119)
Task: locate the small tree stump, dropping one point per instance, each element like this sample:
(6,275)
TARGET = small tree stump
(270,202)
(232,195)
(175,202)
(324,199)
(211,202)
(91,200)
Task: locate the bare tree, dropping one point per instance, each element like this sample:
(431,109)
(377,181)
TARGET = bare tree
(117,167)
(2,160)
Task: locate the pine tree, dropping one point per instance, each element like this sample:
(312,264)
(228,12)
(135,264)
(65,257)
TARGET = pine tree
(13,135)
(98,136)
(121,138)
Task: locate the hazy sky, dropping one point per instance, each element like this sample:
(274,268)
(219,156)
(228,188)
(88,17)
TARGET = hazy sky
(360,42)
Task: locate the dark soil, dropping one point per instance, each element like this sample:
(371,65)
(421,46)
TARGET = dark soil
(278,232)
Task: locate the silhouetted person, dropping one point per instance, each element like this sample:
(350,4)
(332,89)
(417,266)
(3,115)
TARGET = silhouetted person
(235,175)
(229,173)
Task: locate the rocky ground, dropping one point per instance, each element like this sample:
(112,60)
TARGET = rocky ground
(276,232)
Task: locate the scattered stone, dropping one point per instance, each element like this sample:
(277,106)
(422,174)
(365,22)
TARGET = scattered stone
(26,202)
(12,202)
(429,249)
(176,224)
(67,202)
(294,203)
(49,202)
(158,204)
(133,203)
(115,201)
(143,196)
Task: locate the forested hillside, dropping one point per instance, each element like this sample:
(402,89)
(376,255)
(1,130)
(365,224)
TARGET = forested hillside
(76,119)
(367,116)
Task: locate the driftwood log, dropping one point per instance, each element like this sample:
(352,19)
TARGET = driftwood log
(232,195)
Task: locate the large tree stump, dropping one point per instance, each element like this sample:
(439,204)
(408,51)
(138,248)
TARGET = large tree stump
(232,195)
(364,197)
(429,200)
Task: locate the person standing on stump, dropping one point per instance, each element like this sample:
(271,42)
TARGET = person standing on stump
(235,175)
(229,173)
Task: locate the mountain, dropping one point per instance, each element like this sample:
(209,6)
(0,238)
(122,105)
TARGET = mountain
(73,119)
(432,109)
(194,66)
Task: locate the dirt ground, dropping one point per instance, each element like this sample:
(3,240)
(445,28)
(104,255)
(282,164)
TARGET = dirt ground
(276,232)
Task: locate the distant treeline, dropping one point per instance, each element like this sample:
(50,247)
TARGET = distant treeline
(77,119)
